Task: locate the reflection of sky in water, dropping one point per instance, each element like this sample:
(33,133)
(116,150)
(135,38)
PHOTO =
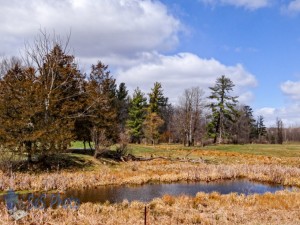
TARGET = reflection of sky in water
(149,191)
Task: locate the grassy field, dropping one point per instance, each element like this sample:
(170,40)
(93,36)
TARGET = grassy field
(286,150)
(265,163)
(227,154)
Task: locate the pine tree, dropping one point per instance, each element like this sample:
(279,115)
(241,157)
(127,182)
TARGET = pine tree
(261,129)
(243,129)
(223,108)
(158,104)
(157,101)
(102,106)
(19,110)
(61,83)
(122,106)
(39,103)
(136,115)
(250,122)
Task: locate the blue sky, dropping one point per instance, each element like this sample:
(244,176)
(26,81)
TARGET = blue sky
(180,43)
(265,41)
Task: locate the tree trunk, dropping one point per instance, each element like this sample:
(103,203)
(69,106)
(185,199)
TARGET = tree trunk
(28,146)
(84,147)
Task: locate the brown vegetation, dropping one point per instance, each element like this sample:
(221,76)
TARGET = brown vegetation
(149,171)
(203,165)
(280,208)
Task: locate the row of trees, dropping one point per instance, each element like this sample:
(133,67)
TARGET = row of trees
(46,102)
(194,120)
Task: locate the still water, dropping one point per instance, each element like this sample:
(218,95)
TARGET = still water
(147,192)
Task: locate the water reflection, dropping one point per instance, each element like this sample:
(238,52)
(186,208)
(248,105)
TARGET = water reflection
(148,192)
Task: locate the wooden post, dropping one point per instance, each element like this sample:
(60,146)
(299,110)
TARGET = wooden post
(145,219)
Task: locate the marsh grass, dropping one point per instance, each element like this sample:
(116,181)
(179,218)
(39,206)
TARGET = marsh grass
(263,163)
(279,208)
(146,172)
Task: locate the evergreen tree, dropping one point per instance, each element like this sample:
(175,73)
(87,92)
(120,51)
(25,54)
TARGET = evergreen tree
(261,129)
(122,106)
(157,101)
(60,84)
(39,104)
(19,111)
(244,126)
(136,115)
(223,108)
(102,105)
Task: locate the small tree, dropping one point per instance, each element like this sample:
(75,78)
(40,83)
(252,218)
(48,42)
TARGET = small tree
(190,110)
(279,125)
(151,127)
(244,126)
(261,129)
(101,103)
(122,148)
(157,101)
(122,106)
(136,115)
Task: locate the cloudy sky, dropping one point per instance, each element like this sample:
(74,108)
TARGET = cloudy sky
(180,43)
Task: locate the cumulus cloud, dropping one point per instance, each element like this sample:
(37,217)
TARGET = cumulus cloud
(248,4)
(132,36)
(98,27)
(291,89)
(184,70)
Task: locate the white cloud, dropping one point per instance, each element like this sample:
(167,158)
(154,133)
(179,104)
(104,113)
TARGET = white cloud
(185,70)
(292,8)
(99,27)
(291,89)
(131,36)
(248,4)
(288,114)
(266,111)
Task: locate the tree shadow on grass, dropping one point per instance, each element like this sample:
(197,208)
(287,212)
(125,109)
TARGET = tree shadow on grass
(49,163)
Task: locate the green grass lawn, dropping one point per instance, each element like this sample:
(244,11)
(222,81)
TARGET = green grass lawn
(174,150)
(285,150)
(289,153)
(79,145)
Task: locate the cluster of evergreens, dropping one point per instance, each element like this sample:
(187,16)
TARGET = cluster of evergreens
(46,102)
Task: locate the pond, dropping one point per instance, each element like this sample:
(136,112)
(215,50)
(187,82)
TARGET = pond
(147,192)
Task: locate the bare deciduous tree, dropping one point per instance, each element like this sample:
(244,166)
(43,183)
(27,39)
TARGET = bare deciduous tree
(190,110)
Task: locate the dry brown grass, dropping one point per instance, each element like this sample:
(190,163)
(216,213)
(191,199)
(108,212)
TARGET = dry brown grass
(152,171)
(280,208)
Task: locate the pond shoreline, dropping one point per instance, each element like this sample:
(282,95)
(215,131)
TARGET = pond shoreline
(279,208)
(133,173)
